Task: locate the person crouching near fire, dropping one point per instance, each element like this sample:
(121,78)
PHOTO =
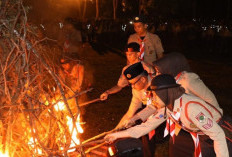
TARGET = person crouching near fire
(72,73)
(196,127)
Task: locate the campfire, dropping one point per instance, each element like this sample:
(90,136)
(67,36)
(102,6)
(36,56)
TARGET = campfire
(39,114)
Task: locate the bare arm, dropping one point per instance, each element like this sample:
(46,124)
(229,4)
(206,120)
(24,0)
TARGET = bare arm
(112,90)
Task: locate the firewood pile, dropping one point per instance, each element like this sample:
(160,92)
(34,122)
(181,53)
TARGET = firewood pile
(37,116)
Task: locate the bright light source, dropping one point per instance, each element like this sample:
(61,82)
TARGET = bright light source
(88,26)
(111,152)
(61,25)
(42,26)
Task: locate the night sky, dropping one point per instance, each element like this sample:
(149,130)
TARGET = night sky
(207,9)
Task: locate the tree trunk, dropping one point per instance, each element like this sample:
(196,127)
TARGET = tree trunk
(97,10)
(194,4)
(79,8)
(115,5)
(84,10)
(228,10)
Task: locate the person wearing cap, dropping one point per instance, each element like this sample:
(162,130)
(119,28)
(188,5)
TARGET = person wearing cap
(177,65)
(132,53)
(195,127)
(150,44)
(139,80)
(72,73)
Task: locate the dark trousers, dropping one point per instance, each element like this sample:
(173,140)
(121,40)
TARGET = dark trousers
(183,146)
(149,145)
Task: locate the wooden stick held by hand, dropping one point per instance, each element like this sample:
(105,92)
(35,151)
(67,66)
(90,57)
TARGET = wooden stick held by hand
(89,102)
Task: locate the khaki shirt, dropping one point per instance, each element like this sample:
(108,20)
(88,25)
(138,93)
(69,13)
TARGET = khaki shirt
(192,85)
(195,86)
(152,46)
(138,98)
(123,82)
(195,114)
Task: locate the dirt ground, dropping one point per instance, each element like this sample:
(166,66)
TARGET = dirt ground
(106,68)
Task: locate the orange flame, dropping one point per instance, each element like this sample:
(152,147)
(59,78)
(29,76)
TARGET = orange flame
(6,154)
(32,143)
(60,106)
(75,140)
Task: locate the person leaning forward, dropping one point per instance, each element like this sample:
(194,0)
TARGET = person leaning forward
(140,81)
(195,127)
(150,44)
(132,54)
(176,65)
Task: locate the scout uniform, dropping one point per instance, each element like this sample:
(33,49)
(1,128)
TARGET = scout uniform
(173,64)
(195,115)
(192,115)
(139,102)
(150,45)
(132,48)
(139,98)
(195,86)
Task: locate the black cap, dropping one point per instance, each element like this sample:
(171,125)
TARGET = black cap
(134,70)
(140,18)
(132,47)
(162,81)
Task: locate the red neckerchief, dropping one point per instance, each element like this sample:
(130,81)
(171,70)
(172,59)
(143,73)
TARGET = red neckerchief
(178,76)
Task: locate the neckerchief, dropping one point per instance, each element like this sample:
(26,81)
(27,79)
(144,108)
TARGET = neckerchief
(171,127)
(142,48)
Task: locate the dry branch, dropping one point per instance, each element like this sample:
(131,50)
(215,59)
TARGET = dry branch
(31,125)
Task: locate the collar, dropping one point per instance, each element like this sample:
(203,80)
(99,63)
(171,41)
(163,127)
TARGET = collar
(178,76)
(149,78)
(145,37)
(178,103)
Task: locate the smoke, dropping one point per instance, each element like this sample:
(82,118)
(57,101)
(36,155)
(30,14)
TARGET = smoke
(44,11)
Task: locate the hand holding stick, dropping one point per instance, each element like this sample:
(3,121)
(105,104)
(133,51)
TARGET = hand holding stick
(89,102)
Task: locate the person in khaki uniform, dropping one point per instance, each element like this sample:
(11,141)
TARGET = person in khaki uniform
(149,43)
(187,117)
(177,65)
(139,80)
(132,53)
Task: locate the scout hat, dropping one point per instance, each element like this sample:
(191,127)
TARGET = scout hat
(132,47)
(164,87)
(134,70)
(163,81)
